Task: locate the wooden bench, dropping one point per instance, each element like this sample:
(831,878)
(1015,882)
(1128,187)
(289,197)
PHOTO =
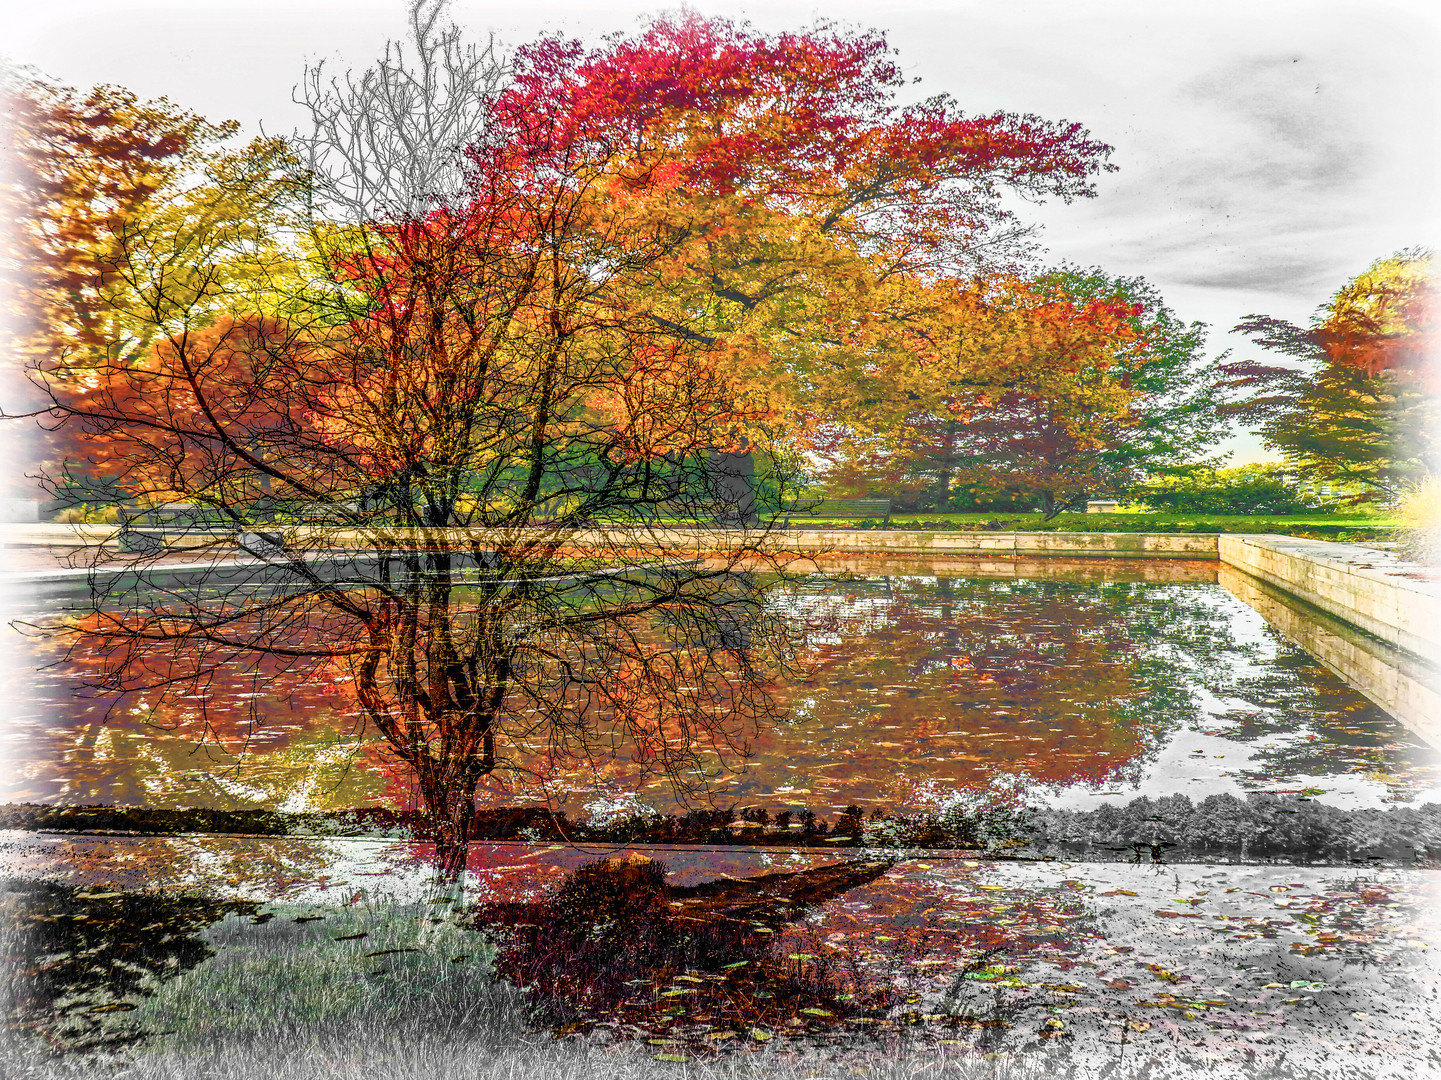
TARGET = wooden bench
(842,508)
(187,517)
(174,516)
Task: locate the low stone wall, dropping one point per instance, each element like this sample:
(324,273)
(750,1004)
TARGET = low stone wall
(1395,601)
(1002,545)
(1368,616)
(1400,683)
(996,545)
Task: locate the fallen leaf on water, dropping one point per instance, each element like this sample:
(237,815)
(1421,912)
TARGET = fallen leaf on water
(1119,892)
(1140,1025)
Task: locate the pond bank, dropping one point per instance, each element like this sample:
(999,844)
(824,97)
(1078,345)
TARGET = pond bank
(1291,828)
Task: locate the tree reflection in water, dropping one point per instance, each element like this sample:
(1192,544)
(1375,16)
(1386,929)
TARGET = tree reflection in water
(695,967)
(614,940)
(928,683)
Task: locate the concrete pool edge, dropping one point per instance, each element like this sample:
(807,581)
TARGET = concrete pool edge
(1369,617)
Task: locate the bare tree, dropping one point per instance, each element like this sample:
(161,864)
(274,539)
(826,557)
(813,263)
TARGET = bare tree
(390,141)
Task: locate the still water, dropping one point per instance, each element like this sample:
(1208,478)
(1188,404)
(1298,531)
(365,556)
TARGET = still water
(1073,685)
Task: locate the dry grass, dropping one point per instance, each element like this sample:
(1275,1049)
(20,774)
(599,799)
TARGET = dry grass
(364,1054)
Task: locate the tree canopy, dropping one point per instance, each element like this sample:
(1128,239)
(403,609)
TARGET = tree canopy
(1355,400)
(1046,389)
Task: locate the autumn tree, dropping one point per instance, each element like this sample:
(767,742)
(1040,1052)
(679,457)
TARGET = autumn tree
(514,403)
(130,222)
(1355,400)
(103,191)
(1047,389)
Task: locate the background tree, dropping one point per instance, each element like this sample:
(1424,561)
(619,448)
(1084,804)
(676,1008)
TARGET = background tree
(1357,405)
(1202,489)
(390,141)
(1048,390)
(101,192)
(131,222)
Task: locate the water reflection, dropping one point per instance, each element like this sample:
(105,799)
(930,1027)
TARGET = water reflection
(936,679)
(616,942)
(695,967)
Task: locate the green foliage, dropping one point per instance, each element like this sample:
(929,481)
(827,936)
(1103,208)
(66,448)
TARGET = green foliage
(1325,526)
(1200,489)
(1354,401)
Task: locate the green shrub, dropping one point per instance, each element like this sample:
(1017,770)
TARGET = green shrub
(1248,489)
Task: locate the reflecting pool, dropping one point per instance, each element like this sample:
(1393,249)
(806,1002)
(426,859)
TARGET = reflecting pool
(1059,683)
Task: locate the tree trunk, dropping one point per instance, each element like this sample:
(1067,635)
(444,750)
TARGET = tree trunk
(947,458)
(450,808)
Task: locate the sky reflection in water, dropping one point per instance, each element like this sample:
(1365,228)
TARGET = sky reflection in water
(1095,683)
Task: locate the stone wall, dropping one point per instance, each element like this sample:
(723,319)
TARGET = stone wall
(1395,601)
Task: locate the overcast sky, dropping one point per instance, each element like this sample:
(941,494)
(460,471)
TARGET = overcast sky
(1267,151)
